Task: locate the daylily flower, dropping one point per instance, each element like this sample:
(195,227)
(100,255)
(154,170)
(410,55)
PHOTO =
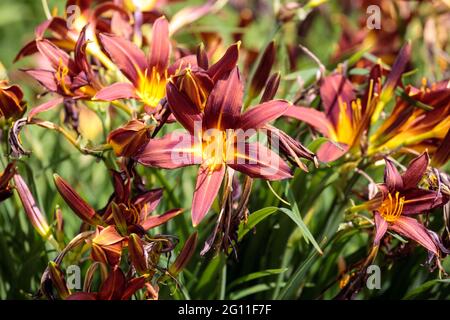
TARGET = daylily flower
(419,121)
(12,105)
(68,78)
(130,214)
(115,287)
(212,137)
(399,198)
(347,118)
(79,15)
(147,75)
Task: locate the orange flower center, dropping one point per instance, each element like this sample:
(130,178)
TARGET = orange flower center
(392,207)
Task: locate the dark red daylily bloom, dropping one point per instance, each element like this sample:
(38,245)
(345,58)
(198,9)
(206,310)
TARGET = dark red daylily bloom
(115,287)
(213,146)
(147,75)
(129,214)
(346,118)
(69,78)
(400,197)
(79,15)
(413,127)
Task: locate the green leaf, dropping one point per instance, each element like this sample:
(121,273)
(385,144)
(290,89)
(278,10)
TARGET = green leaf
(317,143)
(256,275)
(254,219)
(251,290)
(423,288)
(295,215)
(297,277)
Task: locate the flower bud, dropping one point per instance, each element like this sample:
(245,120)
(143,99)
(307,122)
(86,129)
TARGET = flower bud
(138,255)
(83,210)
(196,85)
(35,215)
(262,72)
(126,141)
(185,255)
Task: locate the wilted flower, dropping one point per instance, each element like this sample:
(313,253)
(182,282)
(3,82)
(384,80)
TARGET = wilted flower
(12,105)
(127,140)
(107,245)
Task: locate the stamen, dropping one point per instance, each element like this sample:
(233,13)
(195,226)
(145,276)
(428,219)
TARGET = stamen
(392,208)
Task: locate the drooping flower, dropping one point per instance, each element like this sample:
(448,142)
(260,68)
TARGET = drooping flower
(400,197)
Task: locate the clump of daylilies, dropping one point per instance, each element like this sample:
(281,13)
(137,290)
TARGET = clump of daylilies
(103,56)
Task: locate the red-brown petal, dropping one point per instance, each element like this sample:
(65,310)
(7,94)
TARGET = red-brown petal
(117,91)
(206,189)
(259,116)
(311,116)
(224,105)
(392,177)
(416,170)
(160,46)
(257,161)
(126,55)
(174,150)
(414,230)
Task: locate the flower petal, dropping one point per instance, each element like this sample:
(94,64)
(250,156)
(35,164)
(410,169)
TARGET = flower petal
(160,47)
(381,226)
(260,115)
(257,161)
(174,150)
(126,55)
(117,91)
(183,109)
(331,151)
(416,170)
(224,104)
(45,107)
(392,177)
(421,201)
(311,116)
(206,190)
(228,61)
(414,230)
(336,89)
(154,221)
